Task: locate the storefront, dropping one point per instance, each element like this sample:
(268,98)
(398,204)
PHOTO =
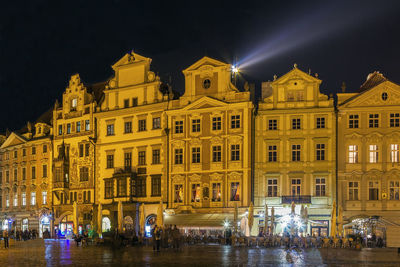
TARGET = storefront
(105,224)
(66,226)
(319,228)
(44,227)
(150,223)
(25,224)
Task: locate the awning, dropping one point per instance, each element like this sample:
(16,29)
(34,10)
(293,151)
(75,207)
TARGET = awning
(200,221)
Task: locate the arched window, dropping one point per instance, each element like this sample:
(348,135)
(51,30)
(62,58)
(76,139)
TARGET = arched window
(25,224)
(105,224)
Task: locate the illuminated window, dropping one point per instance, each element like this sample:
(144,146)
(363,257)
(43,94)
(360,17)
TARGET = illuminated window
(394,189)
(33,198)
(373,189)
(353,121)
(178,127)
(216,192)
(178,197)
(15,200)
(23,199)
(272,187)
(216,153)
(353,190)
(44,197)
(87,125)
(296,187)
(78,126)
(373,120)
(60,130)
(68,128)
(74,104)
(394,119)
(353,154)
(7,201)
(216,123)
(157,123)
(320,151)
(272,153)
(296,152)
(179,156)
(195,154)
(320,187)
(373,153)
(235,191)
(394,152)
(196,126)
(195,193)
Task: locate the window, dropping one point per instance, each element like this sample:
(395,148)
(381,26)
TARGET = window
(216,192)
(155,185)
(384,96)
(206,83)
(353,121)
(60,129)
(15,154)
(23,199)
(128,127)
(235,152)
(320,187)
(7,201)
(134,101)
(128,160)
(394,119)
(272,153)
(178,127)
(44,168)
(156,156)
(33,198)
(24,173)
(44,197)
(320,123)
(142,125)
(81,148)
(216,123)
(78,126)
(272,124)
(8,176)
(195,193)
(373,153)
(1,180)
(142,158)
(84,174)
(108,188)
(33,150)
(68,128)
(110,161)
(121,187)
(299,95)
(126,103)
(74,104)
(394,153)
(290,96)
(373,121)
(196,126)
(110,129)
(296,187)
(87,125)
(296,124)
(44,149)
(235,191)
(353,154)
(24,151)
(15,174)
(178,197)
(235,121)
(272,187)
(157,123)
(296,152)
(394,188)
(15,200)
(179,156)
(33,172)
(216,153)
(195,154)
(87,149)
(320,149)
(373,189)
(141,186)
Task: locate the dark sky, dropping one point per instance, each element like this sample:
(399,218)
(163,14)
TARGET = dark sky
(42,43)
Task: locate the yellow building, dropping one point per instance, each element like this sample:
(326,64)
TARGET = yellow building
(368,154)
(130,144)
(74,154)
(25,179)
(209,144)
(295,146)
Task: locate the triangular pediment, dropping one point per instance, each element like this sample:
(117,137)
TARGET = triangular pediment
(386,93)
(205,61)
(296,74)
(130,58)
(205,102)
(12,140)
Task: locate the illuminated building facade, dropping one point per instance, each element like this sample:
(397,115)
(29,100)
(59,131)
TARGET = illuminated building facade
(368,151)
(74,154)
(209,145)
(131,144)
(295,151)
(25,179)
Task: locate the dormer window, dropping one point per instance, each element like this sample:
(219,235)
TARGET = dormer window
(206,83)
(74,104)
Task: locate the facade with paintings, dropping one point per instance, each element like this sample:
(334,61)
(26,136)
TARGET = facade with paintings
(368,155)
(295,152)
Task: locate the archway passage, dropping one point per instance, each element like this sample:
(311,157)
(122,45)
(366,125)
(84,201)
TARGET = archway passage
(66,226)
(149,225)
(105,224)
(44,227)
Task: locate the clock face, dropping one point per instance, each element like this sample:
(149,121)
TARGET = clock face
(206,83)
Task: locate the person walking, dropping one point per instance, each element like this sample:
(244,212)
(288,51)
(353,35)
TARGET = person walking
(157,233)
(176,235)
(5,237)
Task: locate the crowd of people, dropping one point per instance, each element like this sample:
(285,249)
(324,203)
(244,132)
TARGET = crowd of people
(17,235)
(166,237)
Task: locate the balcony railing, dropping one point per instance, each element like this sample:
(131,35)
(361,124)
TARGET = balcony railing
(60,185)
(296,199)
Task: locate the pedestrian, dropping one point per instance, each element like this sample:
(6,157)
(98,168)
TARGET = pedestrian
(176,235)
(5,237)
(153,235)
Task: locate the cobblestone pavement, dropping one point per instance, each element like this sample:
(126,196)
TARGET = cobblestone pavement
(65,253)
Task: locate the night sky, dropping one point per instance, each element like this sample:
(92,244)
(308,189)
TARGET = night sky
(42,43)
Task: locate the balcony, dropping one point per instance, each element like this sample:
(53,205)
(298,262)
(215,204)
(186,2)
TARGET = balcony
(296,199)
(60,185)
